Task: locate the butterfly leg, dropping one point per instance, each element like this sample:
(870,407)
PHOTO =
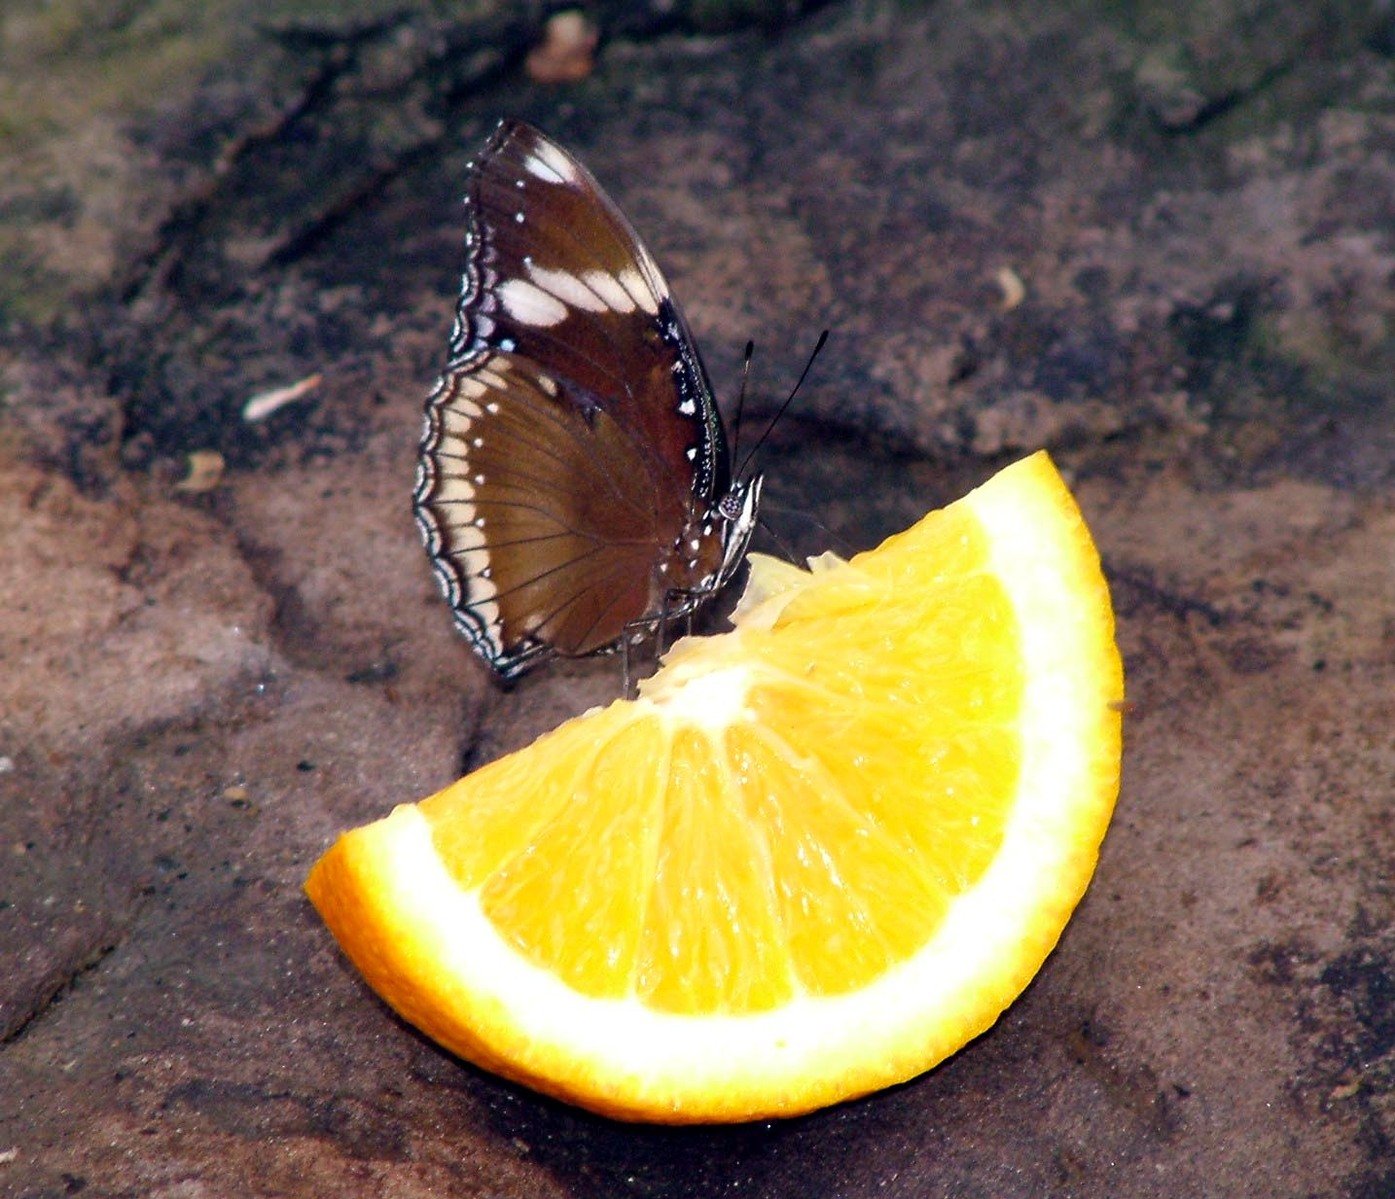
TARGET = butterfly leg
(635,633)
(683,609)
(628,688)
(664,617)
(676,605)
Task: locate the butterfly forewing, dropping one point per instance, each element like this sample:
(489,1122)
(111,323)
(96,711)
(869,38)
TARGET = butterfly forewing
(573,456)
(597,307)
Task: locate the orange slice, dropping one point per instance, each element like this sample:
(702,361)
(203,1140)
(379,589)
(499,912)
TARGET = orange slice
(816,856)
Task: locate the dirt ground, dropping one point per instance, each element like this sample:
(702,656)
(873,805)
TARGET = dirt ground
(1158,239)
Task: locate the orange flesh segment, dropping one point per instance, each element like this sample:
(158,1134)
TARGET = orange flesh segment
(795,849)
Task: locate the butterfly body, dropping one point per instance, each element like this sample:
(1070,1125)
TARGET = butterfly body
(574,487)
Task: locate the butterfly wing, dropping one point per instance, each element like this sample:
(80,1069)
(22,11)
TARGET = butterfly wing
(572,449)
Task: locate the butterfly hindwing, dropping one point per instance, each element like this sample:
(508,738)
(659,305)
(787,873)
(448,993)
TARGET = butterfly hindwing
(533,520)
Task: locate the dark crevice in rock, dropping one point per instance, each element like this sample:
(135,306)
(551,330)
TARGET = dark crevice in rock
(1212,110)
(190,216)
(292,203)
(490,51)
(1132,1088)
(467,59)
(471,750)
(51,992)
(1145,587)
(255,1111)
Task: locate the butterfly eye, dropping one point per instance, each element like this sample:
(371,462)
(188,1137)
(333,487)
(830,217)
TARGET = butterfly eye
(729,507)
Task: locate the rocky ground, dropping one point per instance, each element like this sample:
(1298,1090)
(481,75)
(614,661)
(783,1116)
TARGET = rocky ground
(1158,239)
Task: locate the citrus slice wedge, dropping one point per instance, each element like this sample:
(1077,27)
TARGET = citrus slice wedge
(815,856)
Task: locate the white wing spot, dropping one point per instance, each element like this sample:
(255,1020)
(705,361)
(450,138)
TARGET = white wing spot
(690,453)
(567,287)
(530,305)
(454,489)
(482,590)
(457,419)
(449,445)
(490,378)
(639,290)
(686,406)
(610,289)
(547,162)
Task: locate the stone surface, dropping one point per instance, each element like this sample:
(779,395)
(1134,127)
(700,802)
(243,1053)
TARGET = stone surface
(1155,238)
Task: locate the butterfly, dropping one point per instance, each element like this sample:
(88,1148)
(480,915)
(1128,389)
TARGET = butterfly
(574,485)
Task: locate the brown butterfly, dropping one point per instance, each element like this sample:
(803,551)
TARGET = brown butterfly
(574,486)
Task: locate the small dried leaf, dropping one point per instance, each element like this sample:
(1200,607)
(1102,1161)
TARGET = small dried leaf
(567,51)
(1014,290)
(205,472)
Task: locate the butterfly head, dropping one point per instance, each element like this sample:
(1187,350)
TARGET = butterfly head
(737,510)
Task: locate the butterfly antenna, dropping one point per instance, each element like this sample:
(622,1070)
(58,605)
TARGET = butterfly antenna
(775,420)
(837,541)
(741,398)
(786,548)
